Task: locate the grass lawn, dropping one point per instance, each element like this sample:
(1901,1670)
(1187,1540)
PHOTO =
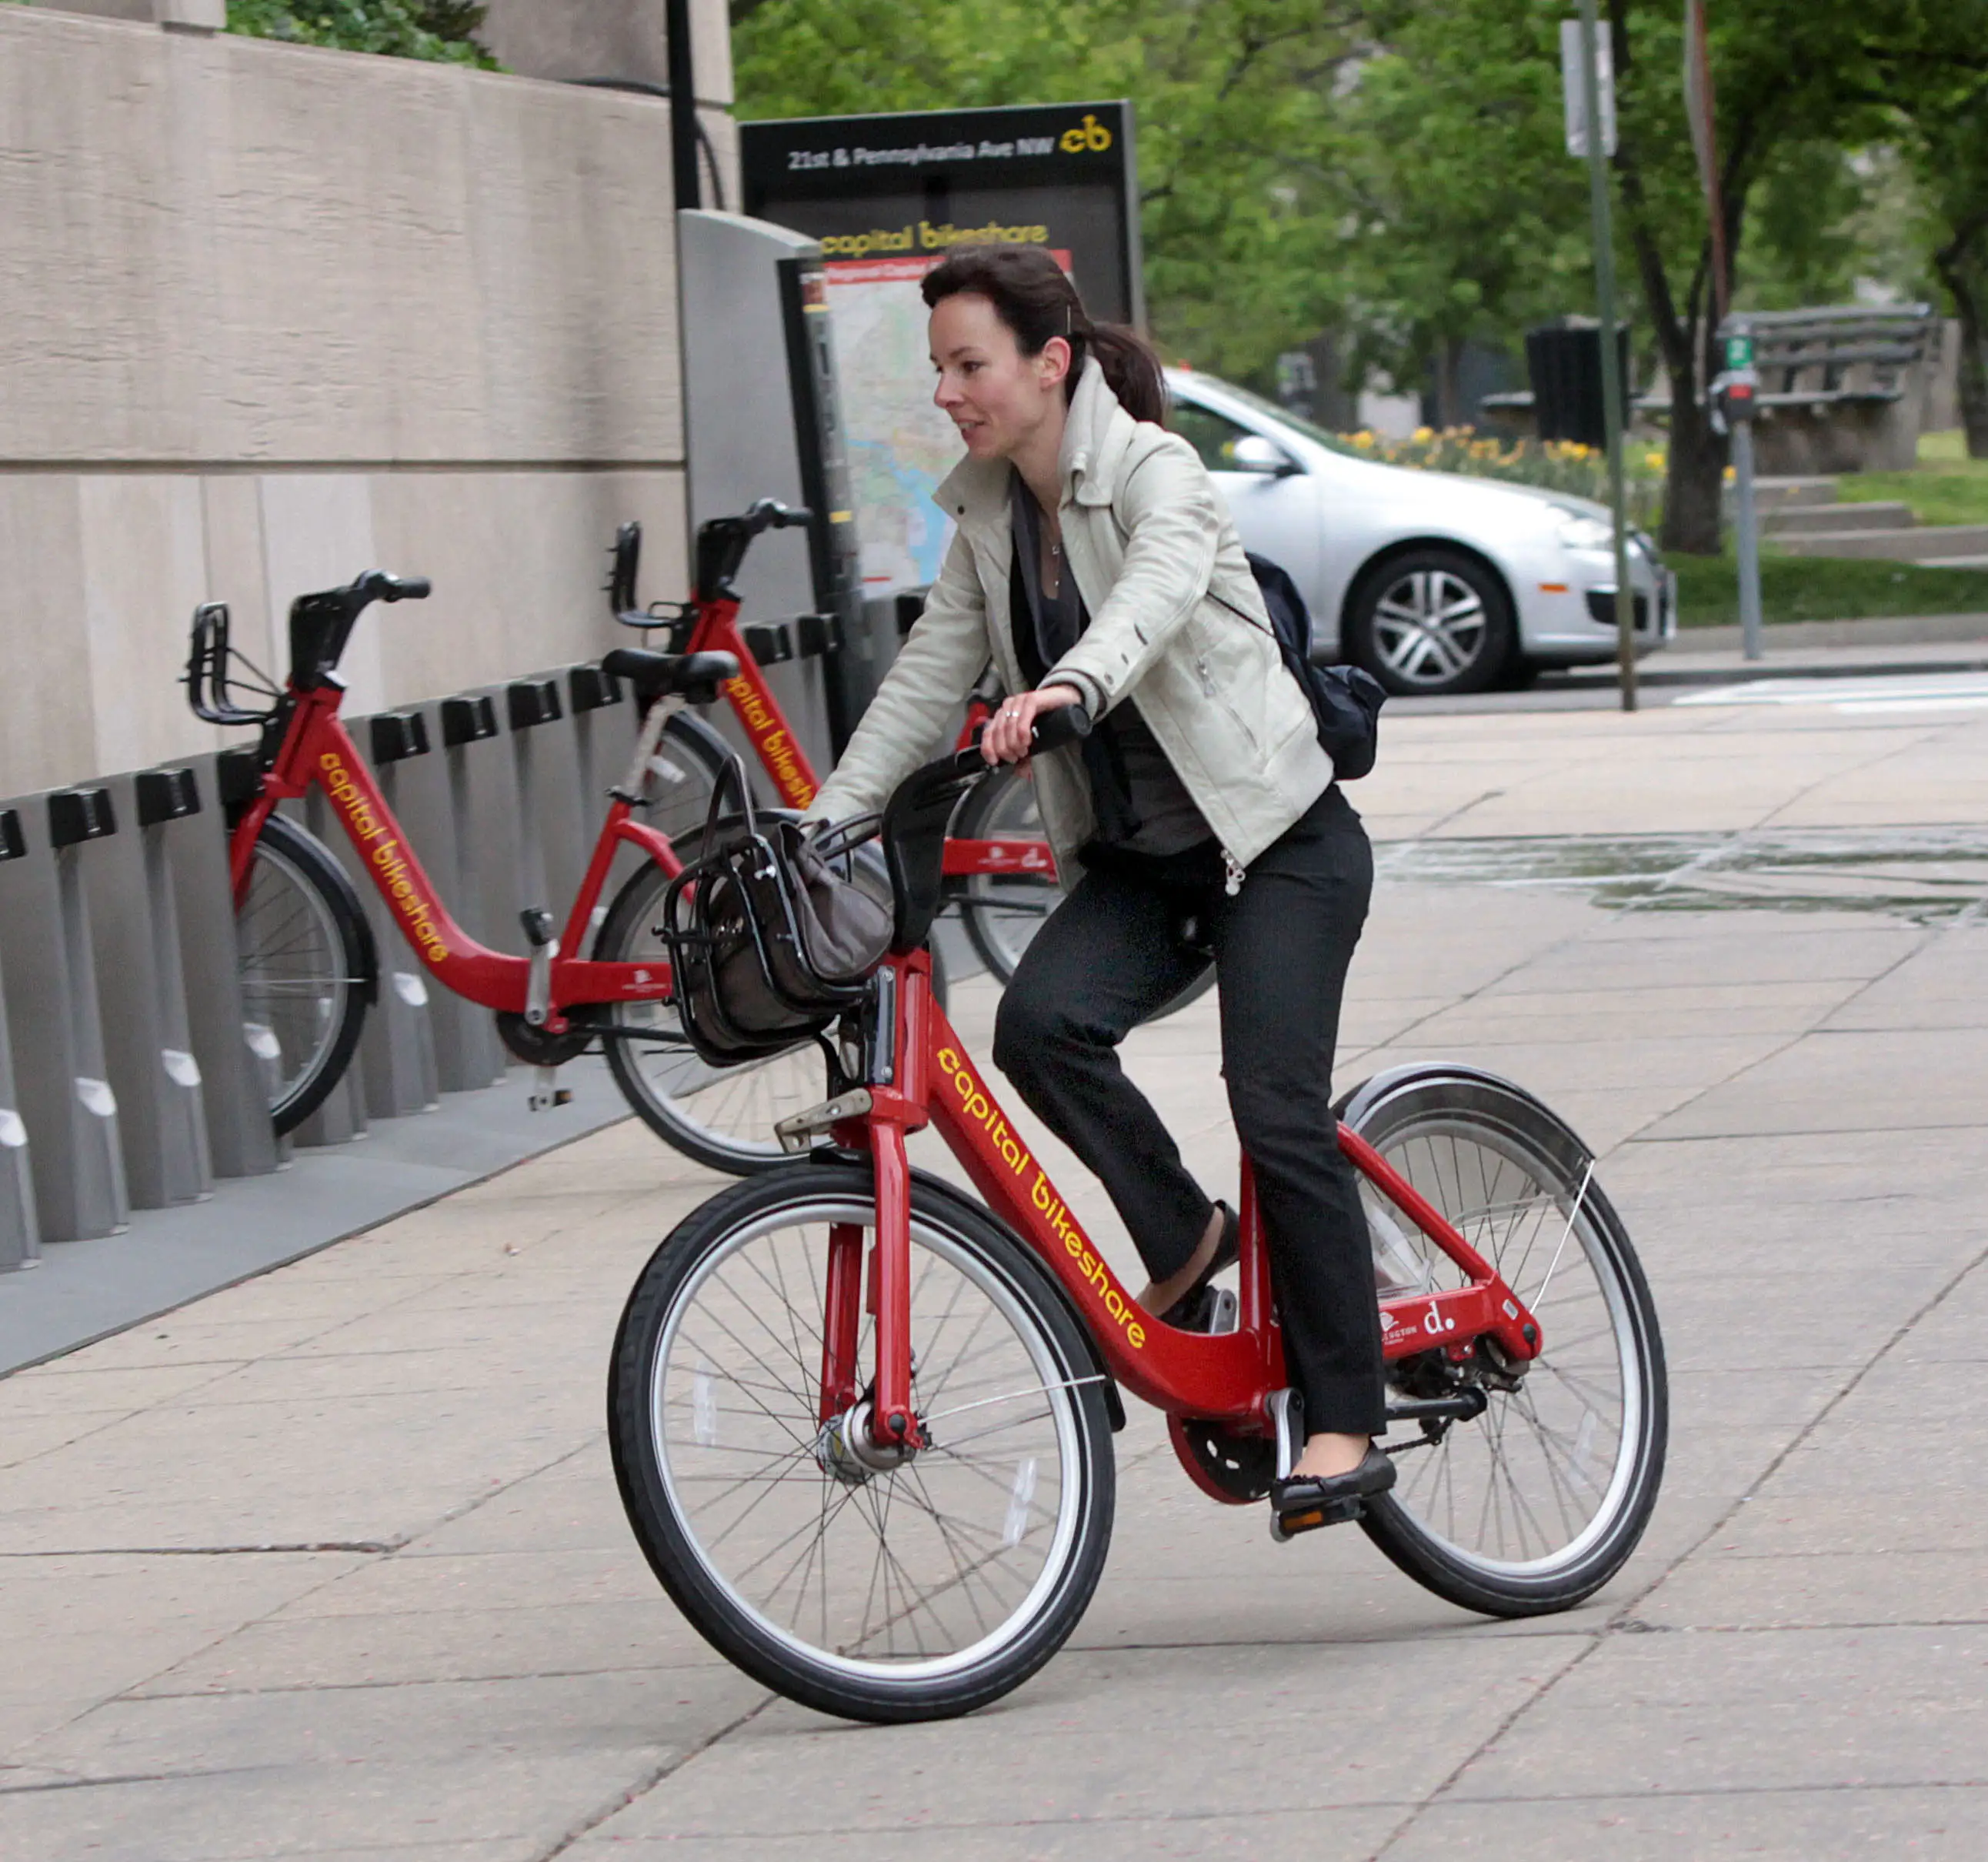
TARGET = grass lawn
(1948,486)
(1824,588)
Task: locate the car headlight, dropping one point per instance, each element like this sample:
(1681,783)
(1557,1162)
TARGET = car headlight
(1579,531)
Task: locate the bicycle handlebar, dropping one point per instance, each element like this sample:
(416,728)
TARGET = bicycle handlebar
(1071,725)
(321,624)
(770,514)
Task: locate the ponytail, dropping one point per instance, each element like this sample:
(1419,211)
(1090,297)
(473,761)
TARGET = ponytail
(1034,298)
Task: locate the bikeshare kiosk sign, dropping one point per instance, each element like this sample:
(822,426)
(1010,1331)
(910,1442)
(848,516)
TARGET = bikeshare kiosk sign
(888,197)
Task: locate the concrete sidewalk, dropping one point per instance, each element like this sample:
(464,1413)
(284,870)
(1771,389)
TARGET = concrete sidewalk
(332,1564)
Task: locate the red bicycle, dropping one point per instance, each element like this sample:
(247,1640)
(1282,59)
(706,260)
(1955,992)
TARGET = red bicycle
(861,1422)
(309,966)
(1000,873)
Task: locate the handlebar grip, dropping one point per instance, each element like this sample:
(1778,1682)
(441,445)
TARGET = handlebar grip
(409,588)
(788,516)
(1071,725)
(1053,730)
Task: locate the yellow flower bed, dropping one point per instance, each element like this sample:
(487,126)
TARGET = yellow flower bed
(1555,465)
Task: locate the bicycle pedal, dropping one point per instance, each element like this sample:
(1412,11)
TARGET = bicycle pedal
(1224,1311)
(544,1097)
(1341,1512)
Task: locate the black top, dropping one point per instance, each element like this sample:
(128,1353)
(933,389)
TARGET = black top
(1142,806)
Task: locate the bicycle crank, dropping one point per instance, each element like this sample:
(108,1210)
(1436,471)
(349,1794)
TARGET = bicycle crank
(536,1047)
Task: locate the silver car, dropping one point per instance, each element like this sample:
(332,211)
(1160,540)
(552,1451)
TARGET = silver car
(1435,582)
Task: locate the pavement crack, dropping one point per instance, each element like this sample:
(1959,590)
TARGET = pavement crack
(1445,1789)
(369,1547)
(649,1780)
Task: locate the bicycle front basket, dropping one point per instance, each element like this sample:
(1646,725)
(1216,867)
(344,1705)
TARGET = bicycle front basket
(768,944)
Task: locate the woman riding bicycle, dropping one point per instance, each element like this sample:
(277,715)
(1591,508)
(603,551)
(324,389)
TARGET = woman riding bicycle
(1095,563)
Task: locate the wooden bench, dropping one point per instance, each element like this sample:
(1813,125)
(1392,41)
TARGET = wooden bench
(1840,389)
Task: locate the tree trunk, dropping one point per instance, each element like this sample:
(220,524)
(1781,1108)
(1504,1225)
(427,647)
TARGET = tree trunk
(1963,286)
(1696,472)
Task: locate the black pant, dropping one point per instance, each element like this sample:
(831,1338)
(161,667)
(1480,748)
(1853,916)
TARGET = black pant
(1109,957)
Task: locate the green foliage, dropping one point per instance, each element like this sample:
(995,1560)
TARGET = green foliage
(1238,153)
(441,30)
(1395,169)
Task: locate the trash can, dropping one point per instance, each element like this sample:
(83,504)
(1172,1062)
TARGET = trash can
(1565,363)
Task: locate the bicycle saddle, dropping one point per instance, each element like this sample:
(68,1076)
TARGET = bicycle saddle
(695,676)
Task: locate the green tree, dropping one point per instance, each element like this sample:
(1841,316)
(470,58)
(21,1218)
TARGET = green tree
(442,30)
(1235,108)
(1462,213)
(1797,82)
(1949,113)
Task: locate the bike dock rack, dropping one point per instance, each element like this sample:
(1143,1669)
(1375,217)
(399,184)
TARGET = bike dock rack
(234,1057)
(66,1100)
(466,834)
(20,1234)
(554,844)
(396,1053)
(148,1050)
(343,1116)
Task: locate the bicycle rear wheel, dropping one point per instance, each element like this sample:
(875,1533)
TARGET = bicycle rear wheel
(1534,1505)
(1002,912)
(877,1587)
(308,968)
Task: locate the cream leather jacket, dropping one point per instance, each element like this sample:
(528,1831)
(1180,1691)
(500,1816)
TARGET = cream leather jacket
(1178,629)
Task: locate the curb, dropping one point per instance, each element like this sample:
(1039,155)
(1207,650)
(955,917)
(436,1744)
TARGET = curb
(1893,630)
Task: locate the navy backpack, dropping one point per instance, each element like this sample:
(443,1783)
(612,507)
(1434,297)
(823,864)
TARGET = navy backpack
(1347,700)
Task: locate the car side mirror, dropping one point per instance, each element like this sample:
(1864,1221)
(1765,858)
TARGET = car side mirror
(1255,454)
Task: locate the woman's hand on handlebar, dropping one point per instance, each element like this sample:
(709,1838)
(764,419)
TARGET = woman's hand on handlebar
(1005,739)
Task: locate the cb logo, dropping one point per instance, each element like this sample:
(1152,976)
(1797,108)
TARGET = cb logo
(1088,134)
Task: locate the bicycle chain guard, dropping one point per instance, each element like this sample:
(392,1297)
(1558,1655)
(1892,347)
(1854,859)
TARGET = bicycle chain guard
(1225,1464)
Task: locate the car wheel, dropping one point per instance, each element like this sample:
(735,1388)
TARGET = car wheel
(1431,622)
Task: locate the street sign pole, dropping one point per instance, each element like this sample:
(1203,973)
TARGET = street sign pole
(1741,379)
(1611,366)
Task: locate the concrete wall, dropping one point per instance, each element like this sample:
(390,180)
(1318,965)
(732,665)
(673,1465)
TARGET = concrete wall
(273,315)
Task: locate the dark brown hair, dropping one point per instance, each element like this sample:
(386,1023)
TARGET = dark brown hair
(1032,296)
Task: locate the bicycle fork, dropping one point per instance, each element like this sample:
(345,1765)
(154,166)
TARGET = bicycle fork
(866,1431)
(894,1103)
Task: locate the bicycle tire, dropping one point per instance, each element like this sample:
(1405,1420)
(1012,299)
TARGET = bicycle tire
(1514,1180)
(934,1653)
(1001,912)
(307,965)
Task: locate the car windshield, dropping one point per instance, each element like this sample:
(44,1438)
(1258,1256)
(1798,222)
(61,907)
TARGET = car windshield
(1318,435)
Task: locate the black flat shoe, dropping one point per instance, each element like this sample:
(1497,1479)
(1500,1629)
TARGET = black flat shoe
(1194,1310)
(1304,1504)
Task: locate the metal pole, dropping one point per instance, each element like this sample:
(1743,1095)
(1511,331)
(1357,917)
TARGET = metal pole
(1739,349)
(1612,369)
(683,105)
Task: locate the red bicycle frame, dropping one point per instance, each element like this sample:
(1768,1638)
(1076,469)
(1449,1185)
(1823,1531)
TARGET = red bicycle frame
(1229,1376)
(779,751)
(317,749)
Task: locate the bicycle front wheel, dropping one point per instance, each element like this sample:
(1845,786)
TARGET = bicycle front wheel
(1533,1505)
(857,1582)
(307,967)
